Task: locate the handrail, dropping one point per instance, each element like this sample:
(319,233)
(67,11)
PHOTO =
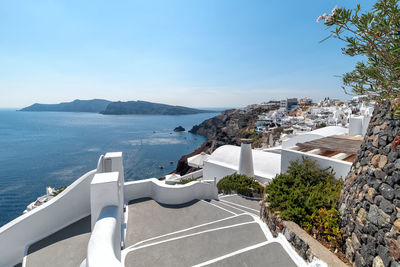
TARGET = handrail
(103,250)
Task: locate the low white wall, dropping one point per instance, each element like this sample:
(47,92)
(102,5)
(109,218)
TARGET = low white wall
(104,247)
(169,194)
(340,167)
(212,170)
(68,207)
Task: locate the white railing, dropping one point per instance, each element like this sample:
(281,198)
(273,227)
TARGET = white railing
(169,194)
(104,248)
(68,207)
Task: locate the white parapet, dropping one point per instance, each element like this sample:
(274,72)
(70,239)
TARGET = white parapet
(104,191)
(104,248)
(113,162)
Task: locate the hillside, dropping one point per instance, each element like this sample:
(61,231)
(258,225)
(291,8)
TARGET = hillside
(94,105)
(225,129)
(143,107)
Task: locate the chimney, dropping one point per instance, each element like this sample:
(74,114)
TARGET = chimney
(246,158)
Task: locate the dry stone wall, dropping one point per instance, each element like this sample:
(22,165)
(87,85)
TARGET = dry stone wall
(370,199)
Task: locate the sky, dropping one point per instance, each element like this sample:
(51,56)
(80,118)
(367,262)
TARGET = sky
(197,53)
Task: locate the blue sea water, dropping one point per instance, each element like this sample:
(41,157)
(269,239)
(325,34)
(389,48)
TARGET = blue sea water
(39,149)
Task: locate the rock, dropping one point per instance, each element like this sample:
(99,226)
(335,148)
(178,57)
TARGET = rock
(387,191)
(349,249)
(396,226)
(386,206)
(397,164)
(179,129)
(362,215)
(397,193)
(379,174)
(379,161)
(378,217)
(378,200)
(355,241)
(383,253)
(359,260)
(375,141)
(392,156)
(377,262)
(370,194)
(373,214)
(394,249)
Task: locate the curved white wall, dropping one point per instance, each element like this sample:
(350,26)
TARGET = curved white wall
(169,194)
(68,207)
(103,247)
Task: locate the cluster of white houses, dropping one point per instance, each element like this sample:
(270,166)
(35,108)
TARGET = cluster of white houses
(304,116)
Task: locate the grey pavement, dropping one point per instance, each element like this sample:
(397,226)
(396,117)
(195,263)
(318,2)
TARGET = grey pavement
(147,218)
(66,247)
(250,203)
(196,249)
(270,255)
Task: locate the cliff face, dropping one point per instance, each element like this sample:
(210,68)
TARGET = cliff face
(370,201)
(225,129)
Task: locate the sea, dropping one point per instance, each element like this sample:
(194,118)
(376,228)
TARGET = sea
(39,149)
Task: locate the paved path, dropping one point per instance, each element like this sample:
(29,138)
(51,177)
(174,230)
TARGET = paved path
(66,247)
(200,233)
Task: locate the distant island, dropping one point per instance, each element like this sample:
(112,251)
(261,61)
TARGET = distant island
(116,108)
(143,107)
(94,105)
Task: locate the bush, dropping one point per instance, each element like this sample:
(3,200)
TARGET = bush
(308,196)
(240,184)
(188,180)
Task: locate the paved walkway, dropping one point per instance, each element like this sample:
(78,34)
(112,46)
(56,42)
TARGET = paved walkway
(66,247)
(216,233)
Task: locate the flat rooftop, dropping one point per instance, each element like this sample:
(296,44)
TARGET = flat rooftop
(340,147)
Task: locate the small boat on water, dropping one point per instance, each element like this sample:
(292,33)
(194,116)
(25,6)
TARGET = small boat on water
(171,162)
(161,167)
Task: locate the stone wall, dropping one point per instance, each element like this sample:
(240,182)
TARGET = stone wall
(277,225)
(370,199)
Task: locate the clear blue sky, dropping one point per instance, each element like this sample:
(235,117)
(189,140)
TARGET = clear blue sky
(203,53)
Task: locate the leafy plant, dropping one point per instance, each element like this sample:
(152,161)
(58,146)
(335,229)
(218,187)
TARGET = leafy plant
(325,224)
(303,193)
(375,35)
(58,190)
(188,180)
(240,184)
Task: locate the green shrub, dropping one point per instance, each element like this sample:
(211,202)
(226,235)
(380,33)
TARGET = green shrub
(188,180)
(240,184)
(325,223)
(303,194)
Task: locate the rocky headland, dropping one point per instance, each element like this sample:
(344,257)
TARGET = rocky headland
(228,128)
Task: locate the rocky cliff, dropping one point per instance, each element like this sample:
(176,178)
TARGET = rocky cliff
(225,129)
(370,200)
